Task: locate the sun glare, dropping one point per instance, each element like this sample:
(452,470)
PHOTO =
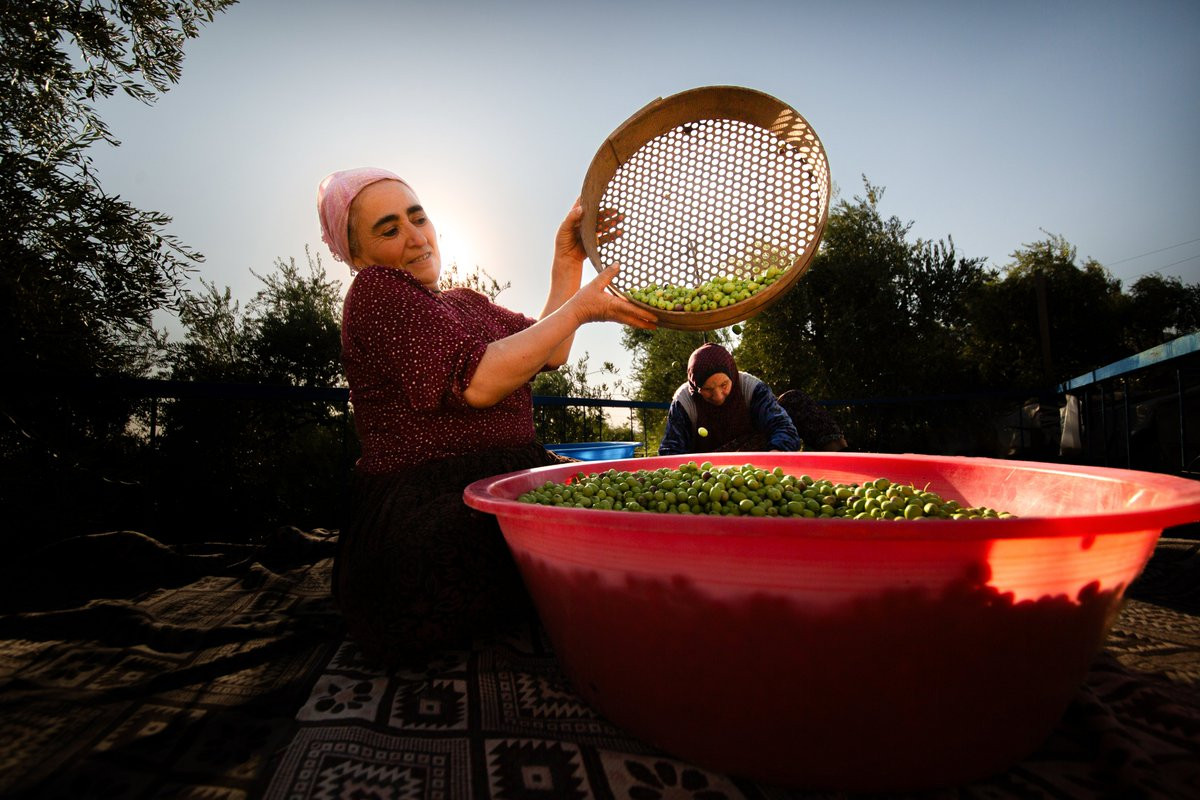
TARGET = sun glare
(456,247)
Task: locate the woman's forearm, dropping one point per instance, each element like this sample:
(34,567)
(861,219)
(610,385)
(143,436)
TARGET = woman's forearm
(564,283)
(509,363)
(513,361)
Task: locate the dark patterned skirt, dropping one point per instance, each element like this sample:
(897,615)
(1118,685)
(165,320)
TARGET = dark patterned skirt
(417,569)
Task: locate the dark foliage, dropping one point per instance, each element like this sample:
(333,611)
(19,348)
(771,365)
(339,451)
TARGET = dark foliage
(262,455)
(82,271)
(923,350)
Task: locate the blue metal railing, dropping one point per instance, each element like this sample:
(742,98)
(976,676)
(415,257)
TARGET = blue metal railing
(156,389)
(1184,349)
(140,483)
(1168,351)
(1176,353)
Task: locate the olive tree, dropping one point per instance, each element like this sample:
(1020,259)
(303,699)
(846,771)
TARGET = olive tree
(567,423)
(877,316)
(81,271)
(1046,318)
(1160,309)
(253,455)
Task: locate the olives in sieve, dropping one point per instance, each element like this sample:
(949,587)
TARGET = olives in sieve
(711,295)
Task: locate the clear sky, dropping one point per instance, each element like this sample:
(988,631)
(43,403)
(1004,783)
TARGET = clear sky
(991,122)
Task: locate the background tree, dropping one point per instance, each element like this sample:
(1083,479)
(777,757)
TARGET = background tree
(1159,310)
(82,271)
(576,423)
(214,346)
(296,318)
(872,308)
(1084,309)
(876,316)
(289,333)
(844,302)
(262,458)
(477,279)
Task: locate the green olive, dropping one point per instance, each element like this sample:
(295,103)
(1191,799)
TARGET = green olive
(718,292)
(747,490)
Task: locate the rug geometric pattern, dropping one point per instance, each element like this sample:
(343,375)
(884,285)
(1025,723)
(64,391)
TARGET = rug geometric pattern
(230,678)
(501,721)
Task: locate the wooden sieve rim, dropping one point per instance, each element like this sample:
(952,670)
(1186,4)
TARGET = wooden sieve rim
(664,115)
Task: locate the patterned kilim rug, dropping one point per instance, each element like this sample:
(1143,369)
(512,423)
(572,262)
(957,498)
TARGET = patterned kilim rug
(501,721)
(129,669)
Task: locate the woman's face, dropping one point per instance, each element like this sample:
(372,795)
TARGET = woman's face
(388,227)
(716,388)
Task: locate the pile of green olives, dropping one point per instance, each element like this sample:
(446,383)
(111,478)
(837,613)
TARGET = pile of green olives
(748,490)
(709,296)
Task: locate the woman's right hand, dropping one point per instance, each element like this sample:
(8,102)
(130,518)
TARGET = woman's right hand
(594,303)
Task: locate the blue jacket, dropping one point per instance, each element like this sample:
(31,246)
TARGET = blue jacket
(768,417)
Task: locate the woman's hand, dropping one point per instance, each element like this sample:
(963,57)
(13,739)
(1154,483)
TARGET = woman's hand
(593,303)
(567,273)
(568,244)
(569,253)
(567,269)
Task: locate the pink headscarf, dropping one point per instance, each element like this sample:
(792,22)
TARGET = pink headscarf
(334,197)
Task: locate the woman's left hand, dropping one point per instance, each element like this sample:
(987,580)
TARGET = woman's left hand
(568,244)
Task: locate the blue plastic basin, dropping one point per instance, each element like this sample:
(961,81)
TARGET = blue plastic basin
(594,451)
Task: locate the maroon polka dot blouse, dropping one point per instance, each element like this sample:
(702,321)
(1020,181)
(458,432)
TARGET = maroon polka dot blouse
(409,354)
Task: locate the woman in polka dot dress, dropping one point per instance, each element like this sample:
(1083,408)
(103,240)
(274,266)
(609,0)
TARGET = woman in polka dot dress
(440,385)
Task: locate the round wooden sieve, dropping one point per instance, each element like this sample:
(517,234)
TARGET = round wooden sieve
(715,181)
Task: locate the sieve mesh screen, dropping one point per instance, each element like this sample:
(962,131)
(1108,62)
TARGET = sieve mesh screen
(711,198)
(714,183)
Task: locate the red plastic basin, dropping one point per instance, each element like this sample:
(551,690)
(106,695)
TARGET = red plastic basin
(841,654)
